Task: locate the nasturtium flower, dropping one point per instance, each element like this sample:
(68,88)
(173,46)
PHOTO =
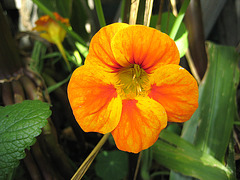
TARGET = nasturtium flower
(51,31)
(131,85)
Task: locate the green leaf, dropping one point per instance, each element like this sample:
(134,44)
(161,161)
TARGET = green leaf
(112,165)
(178,20)
(175,128)
(190,127)
(57,85)
(182,43)
(19,125)
(231,156)
(39,50)
(177,154)
(51,55)
(100,14)
(217,105)
(188,133)
(167,22)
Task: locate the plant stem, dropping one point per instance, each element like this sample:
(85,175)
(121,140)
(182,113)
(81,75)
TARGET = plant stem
(100,14)
(179,19)
(122,9)
(62,51)
(138,165)
(67,29)
(88,161)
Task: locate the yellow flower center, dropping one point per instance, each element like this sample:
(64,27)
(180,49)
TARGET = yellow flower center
(132,81)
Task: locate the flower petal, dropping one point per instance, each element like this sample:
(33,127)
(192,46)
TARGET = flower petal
(44,20)
(141,122)
(94,100)
(41,28)
(100,51)
(144,46)
(47,37)
(56,32)
(176,90)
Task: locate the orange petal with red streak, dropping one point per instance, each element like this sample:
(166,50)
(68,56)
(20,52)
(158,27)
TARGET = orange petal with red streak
(94,100)
(141,122)
(176,90)
(144,46)
(100,51)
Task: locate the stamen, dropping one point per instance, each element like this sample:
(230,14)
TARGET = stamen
(137,70)
(132,81)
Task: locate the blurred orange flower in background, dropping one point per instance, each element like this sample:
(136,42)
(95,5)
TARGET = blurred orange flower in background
(51,31)
(131,85)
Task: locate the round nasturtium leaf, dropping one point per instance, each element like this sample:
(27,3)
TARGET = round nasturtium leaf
(112,165)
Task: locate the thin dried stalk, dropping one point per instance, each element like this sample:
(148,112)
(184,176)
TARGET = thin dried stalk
(174,7)
(138,165)
(88,161)
(148,12)
(30,88)
(133,11)
(192,66)
(18,92)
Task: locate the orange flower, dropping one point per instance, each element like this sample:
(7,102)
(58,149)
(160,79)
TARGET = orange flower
(131,85)
(52,31)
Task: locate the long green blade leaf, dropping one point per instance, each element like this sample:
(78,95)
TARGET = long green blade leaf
(100,14)
(177,154)
(217,105)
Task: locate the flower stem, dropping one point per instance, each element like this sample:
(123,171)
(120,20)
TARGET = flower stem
(179,19)
(100,13)
(62,51)
(88,161)
(67,29)
(138,165)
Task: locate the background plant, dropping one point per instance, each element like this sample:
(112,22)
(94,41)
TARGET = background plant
(205,147)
